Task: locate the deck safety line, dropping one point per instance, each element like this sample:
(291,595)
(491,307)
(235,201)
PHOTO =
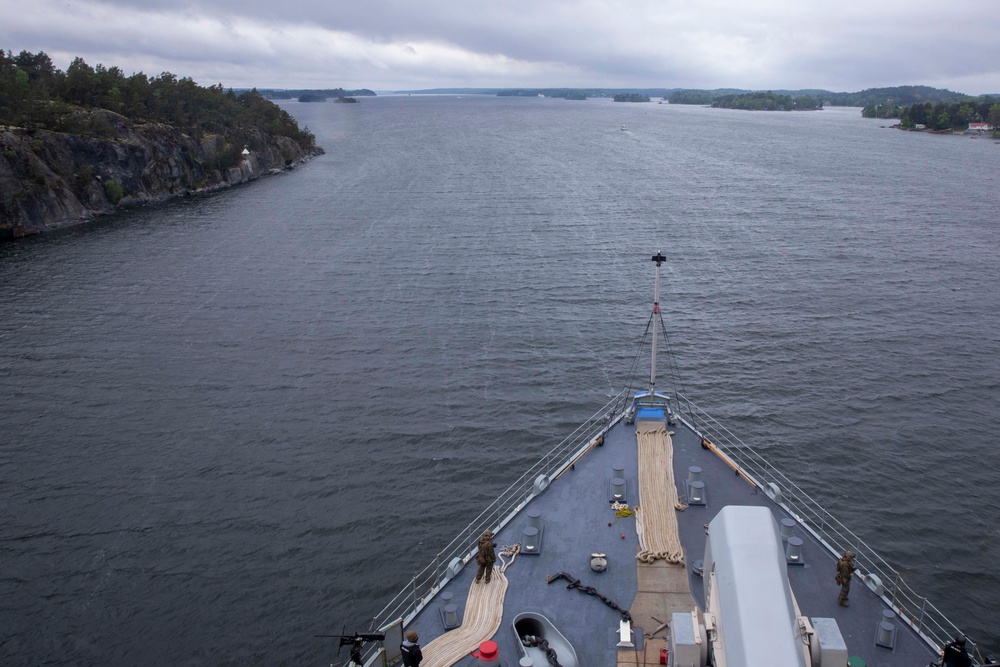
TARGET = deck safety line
(656,520)
(483,614)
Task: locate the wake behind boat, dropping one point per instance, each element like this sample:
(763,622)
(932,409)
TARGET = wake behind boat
(652,535)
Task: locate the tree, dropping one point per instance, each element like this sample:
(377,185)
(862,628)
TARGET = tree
(41,72)
(79,86)
(994,117)
(35,95)
(964,115)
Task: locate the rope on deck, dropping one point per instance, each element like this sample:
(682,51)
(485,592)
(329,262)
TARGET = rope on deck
(656,520)
(483,614)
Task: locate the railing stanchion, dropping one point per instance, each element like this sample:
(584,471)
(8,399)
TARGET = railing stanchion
(834,536)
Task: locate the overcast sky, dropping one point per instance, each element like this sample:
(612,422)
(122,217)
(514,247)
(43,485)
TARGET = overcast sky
(847,45)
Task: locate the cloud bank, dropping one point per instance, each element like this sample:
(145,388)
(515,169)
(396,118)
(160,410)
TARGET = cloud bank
(399,44)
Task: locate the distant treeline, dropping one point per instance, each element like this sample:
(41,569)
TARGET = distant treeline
(768,101)
(951,115)
(707,97)
(36,95)
(898,96)
(884,98)
(933,108)
(581,93)
(631,97)
(703,97)
(314,94)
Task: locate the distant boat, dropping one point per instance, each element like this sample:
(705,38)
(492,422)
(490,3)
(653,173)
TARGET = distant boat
(624,129)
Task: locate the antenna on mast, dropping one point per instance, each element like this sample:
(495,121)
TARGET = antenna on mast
(659,259)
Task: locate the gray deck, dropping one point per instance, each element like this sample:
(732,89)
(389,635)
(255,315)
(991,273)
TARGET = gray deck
(575,514)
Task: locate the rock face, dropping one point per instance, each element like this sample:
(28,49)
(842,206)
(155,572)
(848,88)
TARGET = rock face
(50,180)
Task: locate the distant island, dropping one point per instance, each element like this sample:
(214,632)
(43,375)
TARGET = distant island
(631,97)
(979,117)
(319,97)
(889,102)
(90,140)
(768,101)
(314,94)
(916,107)
(885,98)
(562,93)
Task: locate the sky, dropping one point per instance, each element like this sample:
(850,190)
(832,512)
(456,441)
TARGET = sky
(386,45)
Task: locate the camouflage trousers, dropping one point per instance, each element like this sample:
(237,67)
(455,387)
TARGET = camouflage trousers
(845,589)
(485,569)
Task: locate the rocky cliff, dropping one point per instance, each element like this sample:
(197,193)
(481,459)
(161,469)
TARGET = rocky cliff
(50,180)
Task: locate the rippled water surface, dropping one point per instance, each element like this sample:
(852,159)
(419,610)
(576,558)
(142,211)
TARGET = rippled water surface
(236,421)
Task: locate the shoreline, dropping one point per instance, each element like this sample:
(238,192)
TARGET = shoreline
(127,204)
(51,180)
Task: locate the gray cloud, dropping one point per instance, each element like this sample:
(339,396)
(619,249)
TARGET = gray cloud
(388,44)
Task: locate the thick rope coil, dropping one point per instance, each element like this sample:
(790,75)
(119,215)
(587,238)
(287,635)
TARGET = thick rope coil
(656,523)
(511,550)
(481,620)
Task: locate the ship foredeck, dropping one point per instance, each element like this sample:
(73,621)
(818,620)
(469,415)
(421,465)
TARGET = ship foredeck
(575,519)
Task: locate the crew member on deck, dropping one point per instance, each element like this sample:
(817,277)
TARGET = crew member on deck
(411,650)
(486,556)
(955,654)
(845,570)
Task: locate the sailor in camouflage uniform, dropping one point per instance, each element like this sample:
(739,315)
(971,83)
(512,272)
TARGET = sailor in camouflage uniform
(486,556)
(845,570)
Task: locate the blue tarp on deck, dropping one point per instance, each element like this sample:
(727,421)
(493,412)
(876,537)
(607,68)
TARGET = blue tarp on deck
(650,414)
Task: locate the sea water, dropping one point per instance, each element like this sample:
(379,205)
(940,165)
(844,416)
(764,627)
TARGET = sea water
(237,421)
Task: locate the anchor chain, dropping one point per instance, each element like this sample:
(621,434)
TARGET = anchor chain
(531,641)
(589,590)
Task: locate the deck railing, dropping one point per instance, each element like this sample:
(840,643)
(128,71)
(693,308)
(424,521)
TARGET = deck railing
(429,580)
(913,609)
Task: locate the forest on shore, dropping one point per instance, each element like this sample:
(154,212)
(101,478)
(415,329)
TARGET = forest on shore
(916,107)
(767,101)
(941,116)
(89,140)
(35,95)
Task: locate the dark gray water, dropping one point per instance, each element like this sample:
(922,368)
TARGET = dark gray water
(240,420)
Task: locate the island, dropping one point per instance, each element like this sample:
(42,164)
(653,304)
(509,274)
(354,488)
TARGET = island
(88,141)
(631,97)
(314,94)
(968,116)
(767,101)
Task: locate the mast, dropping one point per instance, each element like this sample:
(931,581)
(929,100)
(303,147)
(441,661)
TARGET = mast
(659,259)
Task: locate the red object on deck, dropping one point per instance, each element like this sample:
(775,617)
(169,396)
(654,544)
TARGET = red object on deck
(488,652)
(663,656)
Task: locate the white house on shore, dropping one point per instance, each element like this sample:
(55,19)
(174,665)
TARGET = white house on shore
(980,127)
